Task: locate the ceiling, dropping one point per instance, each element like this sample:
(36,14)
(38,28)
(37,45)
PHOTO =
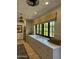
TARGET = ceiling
(29,12)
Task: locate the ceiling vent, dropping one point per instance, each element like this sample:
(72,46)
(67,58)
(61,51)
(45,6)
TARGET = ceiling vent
(32,2)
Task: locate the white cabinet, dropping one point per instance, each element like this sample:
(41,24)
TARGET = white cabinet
(44,51)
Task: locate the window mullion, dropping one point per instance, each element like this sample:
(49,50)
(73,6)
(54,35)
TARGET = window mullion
(36,29)
(39,28)
(48,29)
(42,29)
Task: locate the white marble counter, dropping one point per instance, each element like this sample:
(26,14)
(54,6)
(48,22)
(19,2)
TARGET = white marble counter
(44,41)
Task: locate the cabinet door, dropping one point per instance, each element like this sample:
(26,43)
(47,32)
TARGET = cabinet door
(42,50)
(46,52)
(49,53)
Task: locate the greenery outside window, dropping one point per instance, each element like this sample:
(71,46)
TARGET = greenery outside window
(38,29)
(46,29)
(52,28)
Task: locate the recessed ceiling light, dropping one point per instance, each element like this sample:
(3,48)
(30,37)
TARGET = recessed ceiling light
(35,12)
(46,3)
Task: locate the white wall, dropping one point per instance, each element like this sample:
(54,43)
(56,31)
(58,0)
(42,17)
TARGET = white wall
(20,35)
(58,24)
(29,27)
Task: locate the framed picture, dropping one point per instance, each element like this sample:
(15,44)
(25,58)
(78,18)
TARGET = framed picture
(19,28)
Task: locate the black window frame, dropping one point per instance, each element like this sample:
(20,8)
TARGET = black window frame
(43,28)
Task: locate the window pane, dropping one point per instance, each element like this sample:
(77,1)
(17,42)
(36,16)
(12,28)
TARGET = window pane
(46,29)
(38,29)
(34,29)
(52,28)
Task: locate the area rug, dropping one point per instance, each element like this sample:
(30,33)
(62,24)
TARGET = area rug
(21,52)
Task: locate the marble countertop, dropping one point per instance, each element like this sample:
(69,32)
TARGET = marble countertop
(44,41)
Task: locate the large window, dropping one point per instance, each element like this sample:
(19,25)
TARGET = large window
(46,29)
